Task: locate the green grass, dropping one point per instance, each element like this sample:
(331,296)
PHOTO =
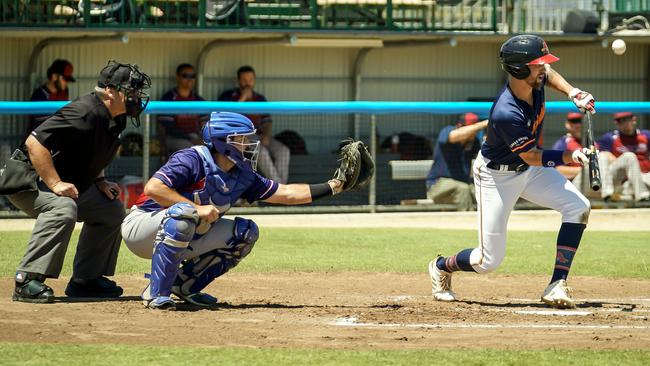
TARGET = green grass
(50,354)
(602,254)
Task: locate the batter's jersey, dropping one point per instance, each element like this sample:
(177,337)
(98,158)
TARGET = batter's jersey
(451,160)
(185,173)
(617,144)
(514,126)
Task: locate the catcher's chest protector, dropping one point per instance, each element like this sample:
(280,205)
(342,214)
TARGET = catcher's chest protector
(221,189)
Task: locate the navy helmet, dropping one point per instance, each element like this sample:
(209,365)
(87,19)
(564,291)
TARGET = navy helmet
(222,134)
(520,51)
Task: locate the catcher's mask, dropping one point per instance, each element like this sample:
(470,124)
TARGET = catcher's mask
(520,51)
(132,82)
(232,135)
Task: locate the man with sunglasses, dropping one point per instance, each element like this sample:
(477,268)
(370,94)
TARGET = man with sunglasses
(179,220)
(70,151)
(182,130)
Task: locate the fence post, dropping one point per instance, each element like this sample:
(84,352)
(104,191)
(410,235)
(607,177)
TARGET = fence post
(145,148)
(372,190)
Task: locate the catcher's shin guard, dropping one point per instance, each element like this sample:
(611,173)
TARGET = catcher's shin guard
(197,273)
(174,236)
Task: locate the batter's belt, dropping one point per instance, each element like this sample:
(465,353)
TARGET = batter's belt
(519,168)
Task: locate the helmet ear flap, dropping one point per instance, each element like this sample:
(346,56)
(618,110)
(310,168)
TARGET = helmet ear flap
(518,72)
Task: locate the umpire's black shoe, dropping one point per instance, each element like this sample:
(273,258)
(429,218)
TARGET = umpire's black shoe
(30,288)
(100,287)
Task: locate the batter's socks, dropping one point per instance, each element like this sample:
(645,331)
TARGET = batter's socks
(458,262)
(568,240)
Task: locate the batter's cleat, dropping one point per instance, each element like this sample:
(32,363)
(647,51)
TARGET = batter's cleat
(100,287)
(199,299)
(440,283)
(30,288)
(557,295)
(162,303)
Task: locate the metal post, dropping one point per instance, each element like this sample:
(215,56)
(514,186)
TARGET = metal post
(372,190)
(146,154)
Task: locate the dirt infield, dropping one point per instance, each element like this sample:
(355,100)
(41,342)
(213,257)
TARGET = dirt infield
(349,310)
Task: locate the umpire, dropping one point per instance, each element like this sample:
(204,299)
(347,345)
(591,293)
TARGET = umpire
(69,152)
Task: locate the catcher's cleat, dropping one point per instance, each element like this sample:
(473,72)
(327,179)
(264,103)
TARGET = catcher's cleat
(199,299)
(30,288)
(440,283)
(557,295)
(100,287)
(161,303)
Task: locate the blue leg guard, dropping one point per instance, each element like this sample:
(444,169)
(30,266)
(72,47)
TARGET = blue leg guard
(174,236)
(198,273)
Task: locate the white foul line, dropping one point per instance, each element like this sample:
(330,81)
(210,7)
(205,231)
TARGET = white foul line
(352,322)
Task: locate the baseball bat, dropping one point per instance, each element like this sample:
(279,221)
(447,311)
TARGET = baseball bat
(594,169)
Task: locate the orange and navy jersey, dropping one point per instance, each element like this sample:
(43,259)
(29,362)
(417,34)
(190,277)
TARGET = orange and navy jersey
(618,144)
(515,127)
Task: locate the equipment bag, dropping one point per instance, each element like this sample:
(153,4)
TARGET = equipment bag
(17,174)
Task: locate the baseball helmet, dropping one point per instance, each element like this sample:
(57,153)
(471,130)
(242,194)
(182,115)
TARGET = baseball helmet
(220,134)
(520,51)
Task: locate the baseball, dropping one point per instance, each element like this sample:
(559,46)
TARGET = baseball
(618,46)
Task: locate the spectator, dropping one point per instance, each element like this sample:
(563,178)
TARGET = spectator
(624,156)
(273,161)
(59,74)
(571,141)
(450,178)
(69,152)
(182,130)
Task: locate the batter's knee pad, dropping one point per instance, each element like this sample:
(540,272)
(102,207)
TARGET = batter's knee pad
(197,273)
(174,236)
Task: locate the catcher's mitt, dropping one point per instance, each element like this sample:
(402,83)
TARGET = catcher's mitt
(357,166)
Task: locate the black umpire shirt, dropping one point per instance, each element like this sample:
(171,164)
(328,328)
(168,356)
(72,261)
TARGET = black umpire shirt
(82,138)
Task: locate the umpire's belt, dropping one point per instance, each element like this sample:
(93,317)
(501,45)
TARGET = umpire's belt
(508,168)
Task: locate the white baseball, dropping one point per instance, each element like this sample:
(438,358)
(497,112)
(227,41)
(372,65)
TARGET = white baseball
(618,46)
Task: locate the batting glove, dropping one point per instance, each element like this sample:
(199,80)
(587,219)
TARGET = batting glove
(581,156)
(583,100)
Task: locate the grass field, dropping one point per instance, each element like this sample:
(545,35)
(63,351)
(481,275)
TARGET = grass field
(602,254)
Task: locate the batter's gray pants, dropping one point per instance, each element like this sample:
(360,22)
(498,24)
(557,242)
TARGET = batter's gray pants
(139,231)
(99,241)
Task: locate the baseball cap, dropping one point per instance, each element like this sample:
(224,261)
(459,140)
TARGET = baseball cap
(63,68)
(623,115)
(124,75)
(574,117)
(468,119)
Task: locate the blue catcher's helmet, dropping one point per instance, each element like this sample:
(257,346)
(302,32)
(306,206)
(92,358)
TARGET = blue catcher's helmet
(222,134)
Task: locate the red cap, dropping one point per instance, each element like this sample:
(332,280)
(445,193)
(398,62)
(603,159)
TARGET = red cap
(622,115)
(468,119)
(574,117)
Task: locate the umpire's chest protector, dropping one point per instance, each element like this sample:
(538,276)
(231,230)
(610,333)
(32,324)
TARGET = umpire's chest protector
(221,189)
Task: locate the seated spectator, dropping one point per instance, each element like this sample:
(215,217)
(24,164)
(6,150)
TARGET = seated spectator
(571,142)
(182,130)
(450,177)
(273,159)
(624,156)
(59,74)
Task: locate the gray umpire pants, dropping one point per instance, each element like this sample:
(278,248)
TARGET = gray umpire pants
(99,241)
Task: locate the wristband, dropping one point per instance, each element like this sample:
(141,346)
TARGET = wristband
(551,158)
(320,190)
(100,179)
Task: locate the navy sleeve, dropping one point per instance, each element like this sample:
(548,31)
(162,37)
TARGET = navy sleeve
(184,168)
(604,143)
(225,96)
(512,128)
(261,189)
(560,144)
(443,136)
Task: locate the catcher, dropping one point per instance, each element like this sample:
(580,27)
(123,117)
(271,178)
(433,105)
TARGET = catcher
(178,221)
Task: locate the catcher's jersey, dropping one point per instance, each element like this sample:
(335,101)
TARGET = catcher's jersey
(196,177)
(514,126)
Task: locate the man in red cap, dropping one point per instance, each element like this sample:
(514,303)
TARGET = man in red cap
(624,156)
(59,74)
(450,178)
